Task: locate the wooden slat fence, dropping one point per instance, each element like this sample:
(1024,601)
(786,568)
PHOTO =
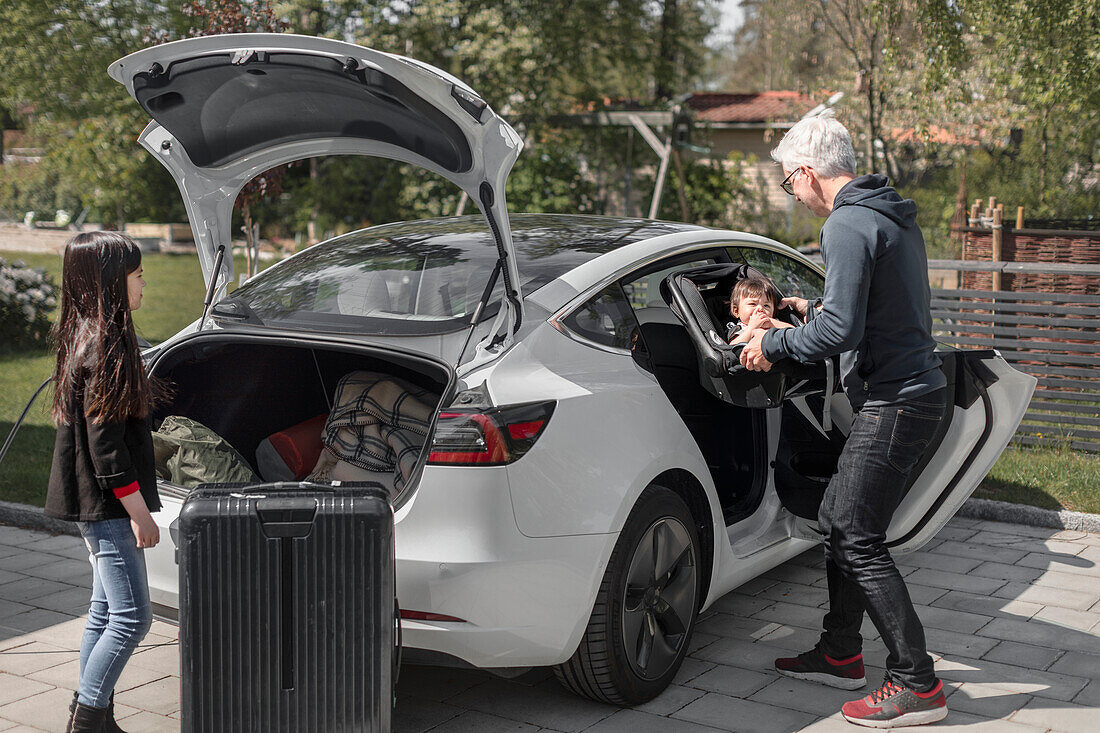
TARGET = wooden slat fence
(1052,336)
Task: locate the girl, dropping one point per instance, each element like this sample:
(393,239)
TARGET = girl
(103,473)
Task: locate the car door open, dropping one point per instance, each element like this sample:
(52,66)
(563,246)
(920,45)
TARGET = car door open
(986,401)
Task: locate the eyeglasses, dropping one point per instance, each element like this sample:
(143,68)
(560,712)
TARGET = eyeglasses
(786,185)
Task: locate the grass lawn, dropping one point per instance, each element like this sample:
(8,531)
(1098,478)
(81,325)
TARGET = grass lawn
(1043,477)
(173,299)
(1050,478)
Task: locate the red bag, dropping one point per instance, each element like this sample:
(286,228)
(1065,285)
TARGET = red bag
(298,447)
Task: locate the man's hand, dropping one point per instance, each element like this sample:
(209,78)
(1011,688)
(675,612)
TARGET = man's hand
(800,305)
(752,356)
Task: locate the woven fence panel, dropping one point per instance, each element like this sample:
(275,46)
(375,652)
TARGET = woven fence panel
(1030,245)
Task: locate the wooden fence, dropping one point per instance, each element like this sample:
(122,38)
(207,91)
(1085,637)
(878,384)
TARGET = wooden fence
(1052,336)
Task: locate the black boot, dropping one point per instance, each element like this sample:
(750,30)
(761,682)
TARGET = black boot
(87,719)
(109,724)
(72,711)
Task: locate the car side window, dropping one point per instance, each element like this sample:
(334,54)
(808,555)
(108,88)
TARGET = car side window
(644,292)
(606,319)
(791,276)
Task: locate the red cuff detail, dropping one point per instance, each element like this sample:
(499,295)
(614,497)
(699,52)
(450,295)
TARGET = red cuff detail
(126,490)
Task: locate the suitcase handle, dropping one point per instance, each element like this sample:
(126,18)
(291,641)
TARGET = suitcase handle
(286,517)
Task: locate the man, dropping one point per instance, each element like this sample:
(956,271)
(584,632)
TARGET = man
(875,315)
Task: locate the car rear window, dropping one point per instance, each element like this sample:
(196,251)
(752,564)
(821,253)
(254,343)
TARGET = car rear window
(424,277)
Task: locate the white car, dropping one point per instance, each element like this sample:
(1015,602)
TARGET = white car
(598,470)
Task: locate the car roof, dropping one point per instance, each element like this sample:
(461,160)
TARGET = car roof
(641,252)
(558,255)
(547,246)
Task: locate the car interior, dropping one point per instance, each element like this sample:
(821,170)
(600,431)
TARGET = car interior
(698,300)
(810,443)
(731,437)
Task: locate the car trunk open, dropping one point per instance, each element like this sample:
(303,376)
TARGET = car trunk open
(246,388)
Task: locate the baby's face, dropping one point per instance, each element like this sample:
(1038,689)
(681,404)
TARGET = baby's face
(750,304)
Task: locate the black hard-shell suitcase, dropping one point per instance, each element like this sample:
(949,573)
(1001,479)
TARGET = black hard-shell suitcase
(287,612)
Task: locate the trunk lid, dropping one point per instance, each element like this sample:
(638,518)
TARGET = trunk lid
(227,108)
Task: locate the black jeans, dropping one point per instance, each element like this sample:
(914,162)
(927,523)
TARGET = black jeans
(885,444)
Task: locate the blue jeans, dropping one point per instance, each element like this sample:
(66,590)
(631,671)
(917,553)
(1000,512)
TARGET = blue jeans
(119,615)
(885,444)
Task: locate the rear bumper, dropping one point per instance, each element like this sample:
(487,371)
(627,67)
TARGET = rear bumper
(523,601)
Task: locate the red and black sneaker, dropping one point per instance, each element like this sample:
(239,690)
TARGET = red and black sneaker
(894,705)
(817,666)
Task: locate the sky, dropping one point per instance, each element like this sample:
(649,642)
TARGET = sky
(731,17)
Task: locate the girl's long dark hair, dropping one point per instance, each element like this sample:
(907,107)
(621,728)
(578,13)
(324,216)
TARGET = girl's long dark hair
(98,361)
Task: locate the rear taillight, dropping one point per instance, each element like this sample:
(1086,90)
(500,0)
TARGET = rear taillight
(491,437)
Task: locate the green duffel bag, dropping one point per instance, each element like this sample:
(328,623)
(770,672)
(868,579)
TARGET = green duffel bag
(188,453)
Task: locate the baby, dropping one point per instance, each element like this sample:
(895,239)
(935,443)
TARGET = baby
(753,303)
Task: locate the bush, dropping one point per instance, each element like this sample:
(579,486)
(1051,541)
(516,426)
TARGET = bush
(27,296)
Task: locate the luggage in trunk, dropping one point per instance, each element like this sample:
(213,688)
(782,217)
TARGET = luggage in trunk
(261,395)
(287,611)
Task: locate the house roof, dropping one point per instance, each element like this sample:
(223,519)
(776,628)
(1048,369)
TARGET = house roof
(773,106)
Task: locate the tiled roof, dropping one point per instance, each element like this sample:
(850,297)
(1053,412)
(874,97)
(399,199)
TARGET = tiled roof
(775,106)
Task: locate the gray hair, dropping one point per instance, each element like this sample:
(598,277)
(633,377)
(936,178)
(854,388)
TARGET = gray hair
(821,143)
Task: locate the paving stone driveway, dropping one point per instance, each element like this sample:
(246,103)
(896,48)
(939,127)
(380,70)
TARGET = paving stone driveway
(1012,613)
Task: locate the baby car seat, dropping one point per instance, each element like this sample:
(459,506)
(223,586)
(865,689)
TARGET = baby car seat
(698,296)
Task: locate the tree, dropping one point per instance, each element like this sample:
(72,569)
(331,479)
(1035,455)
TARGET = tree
(888,44)
(534,61)
(879,52)
(1047,63)
(1023,79)
(6,121)
(56,57)
(115,177)
(864,28)
(56,52)
(781,46)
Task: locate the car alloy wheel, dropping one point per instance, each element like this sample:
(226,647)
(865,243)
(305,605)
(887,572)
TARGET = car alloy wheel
(645,609)
(661,587)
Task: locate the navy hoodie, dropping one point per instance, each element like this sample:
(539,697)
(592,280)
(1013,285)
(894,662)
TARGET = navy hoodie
(875,311)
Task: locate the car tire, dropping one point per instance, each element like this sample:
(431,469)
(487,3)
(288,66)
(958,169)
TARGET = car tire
(636,638)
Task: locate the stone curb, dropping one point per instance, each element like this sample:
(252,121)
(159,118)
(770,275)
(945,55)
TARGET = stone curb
(32,517)
(1003,511)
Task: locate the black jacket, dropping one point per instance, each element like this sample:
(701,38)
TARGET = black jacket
(90,460)
(876,306)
